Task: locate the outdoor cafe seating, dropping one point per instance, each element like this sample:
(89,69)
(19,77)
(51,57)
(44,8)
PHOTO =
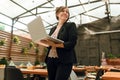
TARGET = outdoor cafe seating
(38,72)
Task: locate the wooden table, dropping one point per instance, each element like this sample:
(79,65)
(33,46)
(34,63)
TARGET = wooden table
(111,76)
(41,72)
(78,69)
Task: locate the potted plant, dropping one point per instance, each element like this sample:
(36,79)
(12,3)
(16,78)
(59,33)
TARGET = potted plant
(113,59)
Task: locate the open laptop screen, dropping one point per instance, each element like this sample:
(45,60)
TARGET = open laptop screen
(38,32)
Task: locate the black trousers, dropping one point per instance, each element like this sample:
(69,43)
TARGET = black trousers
(57,70)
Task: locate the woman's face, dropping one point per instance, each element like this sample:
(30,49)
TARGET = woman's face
(63,15)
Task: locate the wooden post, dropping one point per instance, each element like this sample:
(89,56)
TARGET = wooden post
(11,37)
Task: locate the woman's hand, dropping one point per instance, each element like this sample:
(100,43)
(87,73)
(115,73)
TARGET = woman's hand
(48,42)
(60,45)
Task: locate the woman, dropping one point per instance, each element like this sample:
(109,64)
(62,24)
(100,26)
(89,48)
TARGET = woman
(60,57)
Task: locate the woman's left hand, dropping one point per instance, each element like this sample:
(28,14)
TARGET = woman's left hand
(51,43)
(60,45)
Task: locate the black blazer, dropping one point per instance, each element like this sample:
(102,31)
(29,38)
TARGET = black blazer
(67,33)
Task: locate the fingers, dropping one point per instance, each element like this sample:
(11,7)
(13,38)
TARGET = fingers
(51,43)
(48,42)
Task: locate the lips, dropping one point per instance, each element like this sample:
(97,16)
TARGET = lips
(65,16)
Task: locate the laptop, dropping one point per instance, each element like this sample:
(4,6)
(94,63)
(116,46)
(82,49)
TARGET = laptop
(37,31)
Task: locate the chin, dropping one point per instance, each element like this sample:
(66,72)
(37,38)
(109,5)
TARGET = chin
(64,19)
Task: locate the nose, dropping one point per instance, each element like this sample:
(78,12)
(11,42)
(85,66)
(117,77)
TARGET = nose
(65,12)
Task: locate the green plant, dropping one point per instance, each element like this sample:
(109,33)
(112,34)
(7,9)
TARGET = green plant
(110,55)
(45,50)
(37,62)
(16,40)
(2,42)
(24,50)
(31,44)
(36,50)
(118,56)
(3,61)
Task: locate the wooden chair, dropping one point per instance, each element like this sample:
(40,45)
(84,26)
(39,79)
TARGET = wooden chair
(13,73)
(98,75)
(1,73)
(90,73)
(73,76)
